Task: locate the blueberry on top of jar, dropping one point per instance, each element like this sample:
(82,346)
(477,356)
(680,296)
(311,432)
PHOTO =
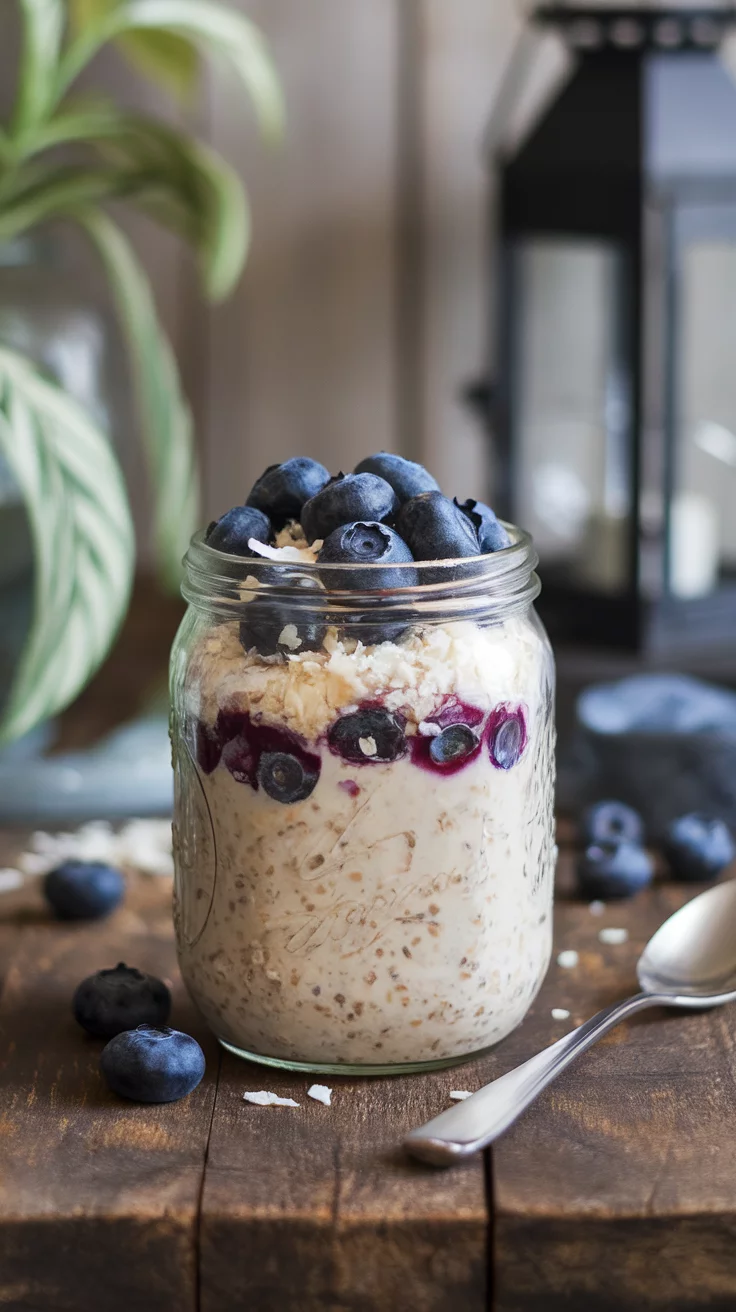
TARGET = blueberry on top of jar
(434,528)
(406,477)
(233,530)
(346,498)
(282,490)
(367,543)
(492,536)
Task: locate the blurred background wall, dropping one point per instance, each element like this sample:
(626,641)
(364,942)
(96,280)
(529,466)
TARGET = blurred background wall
(363,307)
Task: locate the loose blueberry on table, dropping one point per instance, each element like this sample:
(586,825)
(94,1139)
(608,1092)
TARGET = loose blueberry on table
(118,999)
(83,890)
(610,870)
(612,822)
(152,1064)
(698,847)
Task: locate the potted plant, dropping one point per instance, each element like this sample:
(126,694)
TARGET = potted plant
(64,156)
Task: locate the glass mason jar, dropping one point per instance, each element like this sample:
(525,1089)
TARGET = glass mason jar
(363,815)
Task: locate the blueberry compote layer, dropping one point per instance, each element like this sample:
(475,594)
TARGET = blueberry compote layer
(379,829)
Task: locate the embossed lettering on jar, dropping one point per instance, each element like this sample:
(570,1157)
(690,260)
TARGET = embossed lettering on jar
(363,830)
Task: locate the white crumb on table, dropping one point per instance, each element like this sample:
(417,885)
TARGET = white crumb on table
(262,1098)
(10,879)
(143,843)
(320,1093)
(613,936)
(459,1095)
(560,1013)
(597,908)
(568,959)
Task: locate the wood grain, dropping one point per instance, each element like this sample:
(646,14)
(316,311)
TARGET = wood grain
(98,1197)
(617,1190)
(316,1208)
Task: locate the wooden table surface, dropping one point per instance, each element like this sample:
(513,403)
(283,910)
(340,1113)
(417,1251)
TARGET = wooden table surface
(617,1191)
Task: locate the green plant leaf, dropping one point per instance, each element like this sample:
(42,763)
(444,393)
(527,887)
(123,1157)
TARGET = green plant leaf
(43,28)
(165,418)
(163,57)
(177,180)
(83,538)
(53,194)
(212,27)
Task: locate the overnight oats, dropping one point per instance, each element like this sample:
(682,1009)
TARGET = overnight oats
(363,739)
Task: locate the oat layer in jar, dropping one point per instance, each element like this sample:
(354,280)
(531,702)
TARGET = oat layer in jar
(363,826)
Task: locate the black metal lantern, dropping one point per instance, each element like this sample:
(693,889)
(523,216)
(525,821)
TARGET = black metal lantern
(614,410)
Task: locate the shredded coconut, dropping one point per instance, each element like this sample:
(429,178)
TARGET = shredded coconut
(568,960)
(320,1093)
(459,1095)
(308,690)
(9,879)
(560,1013)
(368,746)
(265,1099)
(613,936)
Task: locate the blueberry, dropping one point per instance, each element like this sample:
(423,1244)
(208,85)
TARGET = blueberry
(370,735)
(698,846)
(455,743)
(406,477)
(281,491)
(150,1064)
(347,498)
(492,536)
(434,528)
(286,778)
(290,771)
(611,870)
(506,732)
(366,543)
(272,626)
(232,531)
(114,1000)
(612,822)
(83,890)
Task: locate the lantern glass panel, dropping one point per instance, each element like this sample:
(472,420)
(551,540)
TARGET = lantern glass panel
(572,402)
(703,510)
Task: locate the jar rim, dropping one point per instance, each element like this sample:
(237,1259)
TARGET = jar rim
(483,586)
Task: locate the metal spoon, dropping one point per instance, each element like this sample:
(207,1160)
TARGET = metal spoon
(690,962)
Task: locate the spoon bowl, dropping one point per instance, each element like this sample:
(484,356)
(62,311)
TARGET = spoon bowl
(692,956)
(689,962)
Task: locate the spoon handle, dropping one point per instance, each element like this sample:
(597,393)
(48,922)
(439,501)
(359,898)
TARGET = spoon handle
(471,1125)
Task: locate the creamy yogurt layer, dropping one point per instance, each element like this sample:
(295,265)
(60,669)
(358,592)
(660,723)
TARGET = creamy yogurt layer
(399,909)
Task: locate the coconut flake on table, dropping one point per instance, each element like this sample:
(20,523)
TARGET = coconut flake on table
(613,936)
(560,1013)
(320,1093)
(568,959)
(143,843)
(459,1095)
(597,908)
(262,1098)
(10,879)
